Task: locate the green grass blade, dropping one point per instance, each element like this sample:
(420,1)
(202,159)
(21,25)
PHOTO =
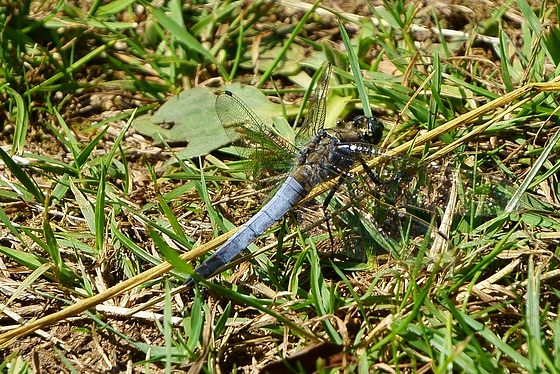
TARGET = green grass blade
(532,319)
(18,172)
(45,85)
(8,223)
(28,260)
(126,172)
(67,363)
(60,188)
(100,211)
(85,206)
(86,152)
(356,72)
(185,38)
(69,140)
(506,67)
(132,246)
(355,296)
(168,328)
(196,323)
(539,354)
(487,334)
(515,200)
(167,211)
(530,16)
(288,43)
(112,7)
(320,294)
(14,365)
(259,305)
(52,245)
(170,254)
(21,120)
(101,191)
(27,282)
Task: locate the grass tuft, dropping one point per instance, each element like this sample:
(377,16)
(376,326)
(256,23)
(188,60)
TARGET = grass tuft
(96,207)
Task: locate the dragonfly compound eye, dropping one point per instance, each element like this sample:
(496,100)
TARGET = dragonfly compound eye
(373,128)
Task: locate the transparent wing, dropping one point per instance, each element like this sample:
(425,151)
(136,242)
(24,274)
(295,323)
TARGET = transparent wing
(401,203)
(270,153)
(403,182)
(315,119)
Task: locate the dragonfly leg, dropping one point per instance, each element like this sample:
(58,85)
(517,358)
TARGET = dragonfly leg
(368,171)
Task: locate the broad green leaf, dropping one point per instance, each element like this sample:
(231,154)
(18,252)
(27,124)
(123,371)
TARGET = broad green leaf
(191,117)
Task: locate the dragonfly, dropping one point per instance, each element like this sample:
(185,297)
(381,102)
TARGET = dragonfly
(321,154)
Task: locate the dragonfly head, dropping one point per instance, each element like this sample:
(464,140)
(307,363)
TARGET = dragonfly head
(373,129)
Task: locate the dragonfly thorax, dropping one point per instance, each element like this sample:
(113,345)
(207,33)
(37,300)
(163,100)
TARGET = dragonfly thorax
(326,156)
